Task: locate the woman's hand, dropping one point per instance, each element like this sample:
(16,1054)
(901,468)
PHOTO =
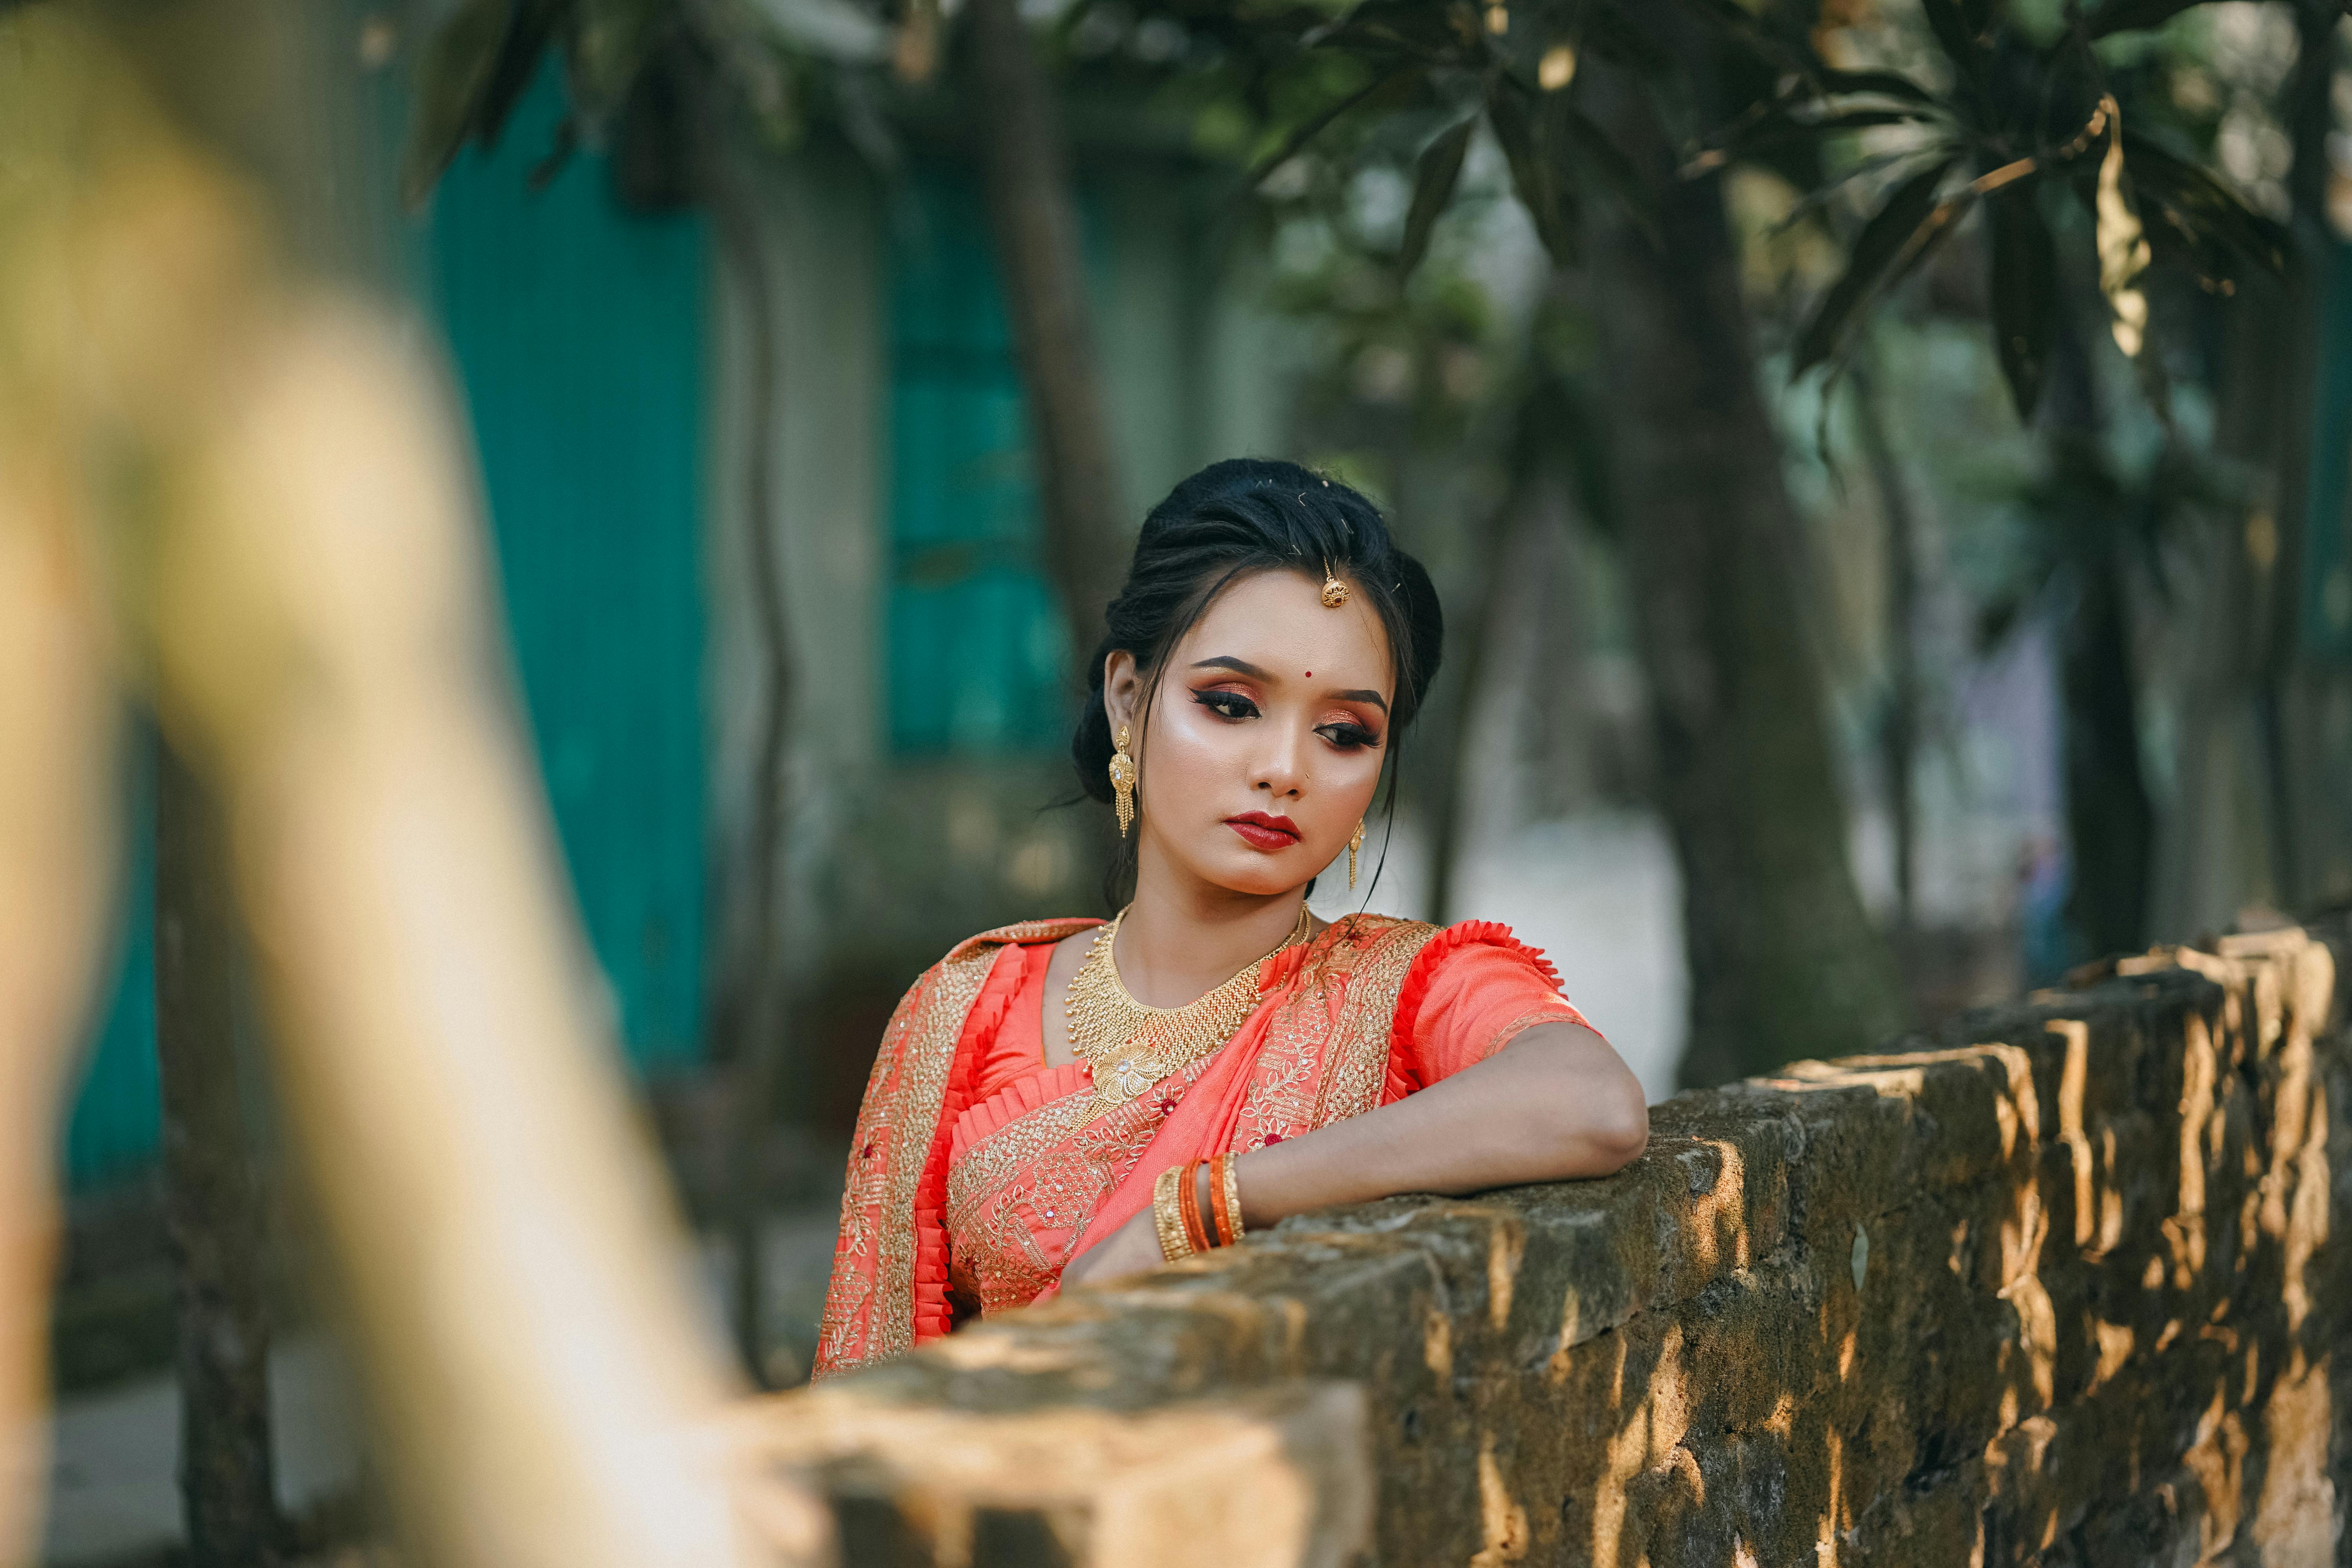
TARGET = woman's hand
(1133,1248)
(1556,1104)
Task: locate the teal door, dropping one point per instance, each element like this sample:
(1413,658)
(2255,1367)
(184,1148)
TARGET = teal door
(577,330)
(976,647)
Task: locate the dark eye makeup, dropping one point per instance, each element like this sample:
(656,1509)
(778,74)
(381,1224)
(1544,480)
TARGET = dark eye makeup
(1346,736)
(1227,704)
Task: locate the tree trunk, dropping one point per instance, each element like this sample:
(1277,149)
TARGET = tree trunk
(756,1010)
(2247,771)
(1898,734)
(1010,104)
(1783,960)
(1490,552)
(1449,800)
(212,1200)
(2305,765)
(2110,824)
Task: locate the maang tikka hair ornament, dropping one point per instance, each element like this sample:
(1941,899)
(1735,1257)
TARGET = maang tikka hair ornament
(1122,782)
(1335,592)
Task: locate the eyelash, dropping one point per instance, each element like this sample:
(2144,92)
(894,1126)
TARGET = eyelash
(1232,705)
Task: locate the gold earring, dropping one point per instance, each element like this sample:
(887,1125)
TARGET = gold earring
(1122,782)
(1355,842)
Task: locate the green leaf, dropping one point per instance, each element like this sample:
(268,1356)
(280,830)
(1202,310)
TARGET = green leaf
(1828,192)
(1535,175)
(2125,15)
(1877,84)
(1395,84)
(1778,127)
(831,29)
(1611,35)
(1958,37)
(612,42)
(2025,302)
(2199,210)
(451,78)
(1890,240)
(1419,30)
(1575,129)
(1433,188)
(529,32)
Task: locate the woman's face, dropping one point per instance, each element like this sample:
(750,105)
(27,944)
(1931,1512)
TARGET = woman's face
(1266,734)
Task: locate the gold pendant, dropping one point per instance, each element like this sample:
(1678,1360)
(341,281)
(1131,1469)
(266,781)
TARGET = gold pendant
(1127,1076)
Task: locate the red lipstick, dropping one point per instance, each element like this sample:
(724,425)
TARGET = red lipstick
(1264,832)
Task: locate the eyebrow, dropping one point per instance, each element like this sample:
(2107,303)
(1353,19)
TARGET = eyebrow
(1243,666)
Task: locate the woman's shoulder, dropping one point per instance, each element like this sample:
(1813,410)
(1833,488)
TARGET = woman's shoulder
(1485,937)
(1429,944)
(1028,933)
(1474,954)
(981,949)
(951,985)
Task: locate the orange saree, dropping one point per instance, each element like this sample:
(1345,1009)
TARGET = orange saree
(977,1172)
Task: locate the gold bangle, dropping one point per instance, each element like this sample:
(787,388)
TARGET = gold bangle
(1232,1199)
(1166,1217)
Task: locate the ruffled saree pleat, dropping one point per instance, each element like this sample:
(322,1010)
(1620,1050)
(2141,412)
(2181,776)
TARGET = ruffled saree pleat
(890,1265)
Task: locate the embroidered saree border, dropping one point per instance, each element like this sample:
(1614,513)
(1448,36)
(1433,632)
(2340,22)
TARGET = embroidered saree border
(1070,1155)
(1364,1035)
(1319,1065)
(869,1313)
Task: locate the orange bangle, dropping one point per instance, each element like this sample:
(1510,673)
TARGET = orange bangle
(1188,1204)
(1221,1183)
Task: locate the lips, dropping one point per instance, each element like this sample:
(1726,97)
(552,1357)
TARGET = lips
(1262,832)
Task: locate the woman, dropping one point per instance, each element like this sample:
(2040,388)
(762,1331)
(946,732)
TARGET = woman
(1070,1102)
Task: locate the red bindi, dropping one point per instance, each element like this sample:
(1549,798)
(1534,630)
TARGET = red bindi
(1308,676)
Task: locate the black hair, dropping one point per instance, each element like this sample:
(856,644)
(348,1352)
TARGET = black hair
(1233,520)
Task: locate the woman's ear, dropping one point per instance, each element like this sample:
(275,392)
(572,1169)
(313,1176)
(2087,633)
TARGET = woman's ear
(1122,691)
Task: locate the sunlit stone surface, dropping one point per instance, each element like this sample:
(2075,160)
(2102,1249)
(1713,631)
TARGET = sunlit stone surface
(2056,1285)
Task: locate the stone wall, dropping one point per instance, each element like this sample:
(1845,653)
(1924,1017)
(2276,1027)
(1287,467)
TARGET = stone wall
(2055,1287)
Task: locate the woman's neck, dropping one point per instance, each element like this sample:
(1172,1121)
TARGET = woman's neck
(1181,938)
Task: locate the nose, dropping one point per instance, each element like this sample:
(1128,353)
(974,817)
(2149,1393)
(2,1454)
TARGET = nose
(1281,768)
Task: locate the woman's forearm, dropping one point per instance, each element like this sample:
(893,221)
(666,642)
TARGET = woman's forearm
(1555,1103)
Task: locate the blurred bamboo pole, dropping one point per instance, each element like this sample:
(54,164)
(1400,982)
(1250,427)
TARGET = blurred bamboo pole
(295,555)
(57,858)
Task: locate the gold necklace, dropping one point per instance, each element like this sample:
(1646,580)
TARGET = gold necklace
(1128,1044)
